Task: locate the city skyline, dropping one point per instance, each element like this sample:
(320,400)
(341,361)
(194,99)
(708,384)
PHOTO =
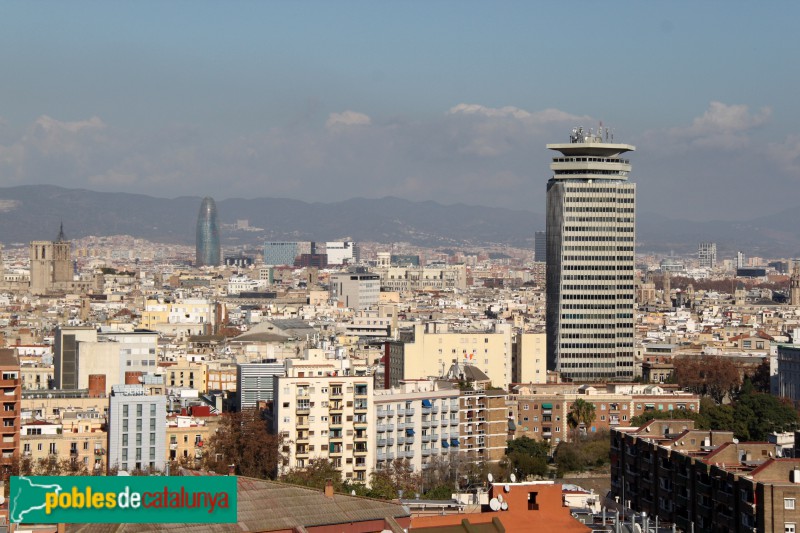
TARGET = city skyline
(451,104)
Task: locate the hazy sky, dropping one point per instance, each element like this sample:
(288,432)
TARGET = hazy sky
(425,100)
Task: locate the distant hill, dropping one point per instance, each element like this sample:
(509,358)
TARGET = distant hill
(34,213)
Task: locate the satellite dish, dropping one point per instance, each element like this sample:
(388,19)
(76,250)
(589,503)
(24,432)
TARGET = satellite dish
(504,506)
(500,498)
(490,477)
(513,478)
(494,505)
(507,488)
(352,493)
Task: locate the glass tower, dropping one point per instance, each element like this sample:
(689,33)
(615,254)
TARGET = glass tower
(207,245)
(591,232)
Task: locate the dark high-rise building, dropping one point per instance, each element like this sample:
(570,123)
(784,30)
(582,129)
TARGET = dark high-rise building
(208,251)
(591,232)
(540,246)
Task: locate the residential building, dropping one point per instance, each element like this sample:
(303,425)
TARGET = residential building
(416,421)
(77,436)
(328,417)
(415,278)
(181,317)
(430,349)
(591,234)
(789,371)
(356,288)
(541,411)
(11,383)
(187,436)
(188,374)
(136,429)
(704,480)
(529,358)
(483,423)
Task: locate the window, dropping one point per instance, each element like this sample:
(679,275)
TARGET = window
(788,503)
(152,409)
(525,407)
(789,528)
(139,410)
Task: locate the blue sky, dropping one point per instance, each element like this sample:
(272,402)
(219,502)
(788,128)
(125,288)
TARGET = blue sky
(446,101)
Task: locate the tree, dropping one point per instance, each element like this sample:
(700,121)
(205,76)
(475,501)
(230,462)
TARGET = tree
(709,375)
(761,378)
(581,414)
(528,457)
(592,452)
(315,475)
(242,440)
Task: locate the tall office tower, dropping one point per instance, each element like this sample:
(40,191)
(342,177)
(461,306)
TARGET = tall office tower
(707,254)
(741,259)
(208,251)
(590,259)
(540,246)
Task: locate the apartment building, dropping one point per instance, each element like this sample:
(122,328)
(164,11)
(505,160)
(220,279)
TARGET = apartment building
(326,416)
(11,384)
(704,481)
(254,383)
(137,429)
(483,423)
(187,374)
(187,436)
(357,288)
(417,421)
(430,349)
(529,358)
(181,318)
(542,411)
(77,436)
(405,279)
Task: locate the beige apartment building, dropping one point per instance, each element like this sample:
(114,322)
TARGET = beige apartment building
(430,349)
(542,411)
(417,421)
(181,318)
(187,437)
(324,415)
(529,358)
(187,374)
(405,279)
(483,424)
(80,437)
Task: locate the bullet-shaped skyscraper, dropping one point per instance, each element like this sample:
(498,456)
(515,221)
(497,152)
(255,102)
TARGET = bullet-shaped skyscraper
(208,251)
(591,234)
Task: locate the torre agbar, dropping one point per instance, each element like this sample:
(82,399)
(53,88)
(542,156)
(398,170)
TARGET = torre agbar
(591,233)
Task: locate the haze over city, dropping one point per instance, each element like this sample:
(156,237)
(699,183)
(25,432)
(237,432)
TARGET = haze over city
(445,101)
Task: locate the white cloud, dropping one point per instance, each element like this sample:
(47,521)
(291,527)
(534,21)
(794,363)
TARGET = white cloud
(722,126)
(347,118)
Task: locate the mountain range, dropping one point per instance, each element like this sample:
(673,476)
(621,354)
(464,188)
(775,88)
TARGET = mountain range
(34,212)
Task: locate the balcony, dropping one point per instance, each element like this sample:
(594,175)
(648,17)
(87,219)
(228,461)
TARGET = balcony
(445,408)
(335,393)
(303,410)
(426,452)
(336,407)
(173,445)
(302,438)
(382,428)
(382,443)
(426,424)
(410,411)
(435,410)
(360,407)
(426,438)
(454,421)
(426,410)
(401,440)
(302,422)
(382,413)
(409,439)
(401,412)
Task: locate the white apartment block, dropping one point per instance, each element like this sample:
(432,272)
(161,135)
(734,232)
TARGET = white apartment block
(417,421)
(434,348)
(326,417)
(137,429)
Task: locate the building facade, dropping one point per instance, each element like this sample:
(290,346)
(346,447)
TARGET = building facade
(254,383)
(137,429)
(326,417)
(280,253)
(707,254)
(207,247)
(357,288)
(342,253)
(11,383)
(704,481)
(591,234)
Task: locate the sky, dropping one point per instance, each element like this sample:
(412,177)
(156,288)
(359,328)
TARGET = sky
(451,101)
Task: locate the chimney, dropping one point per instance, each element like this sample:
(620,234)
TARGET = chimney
(329,488)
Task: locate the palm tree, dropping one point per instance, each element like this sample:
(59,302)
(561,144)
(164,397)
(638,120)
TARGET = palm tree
(581,414)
